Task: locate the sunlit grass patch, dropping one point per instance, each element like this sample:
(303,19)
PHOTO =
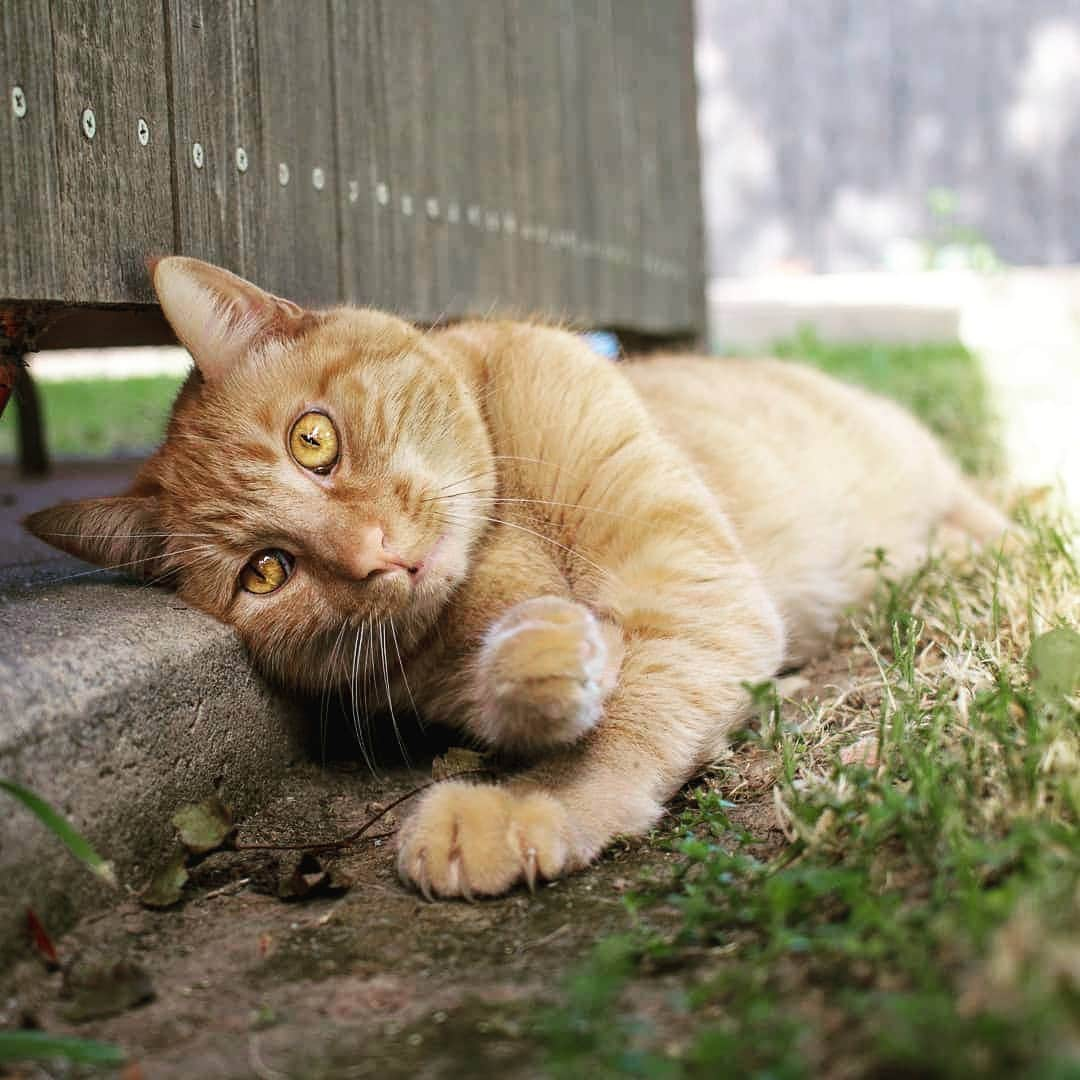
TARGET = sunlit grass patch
(916,908)
(99,417)
(923,917)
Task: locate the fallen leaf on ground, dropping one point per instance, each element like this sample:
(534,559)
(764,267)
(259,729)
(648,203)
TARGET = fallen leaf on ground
(455,761)
(167,885)
(42,941)
(100,987)
(204,826)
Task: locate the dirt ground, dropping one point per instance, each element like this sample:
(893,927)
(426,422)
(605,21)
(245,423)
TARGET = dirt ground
(360,977)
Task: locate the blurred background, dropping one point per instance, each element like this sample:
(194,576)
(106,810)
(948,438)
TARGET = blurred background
(902,175)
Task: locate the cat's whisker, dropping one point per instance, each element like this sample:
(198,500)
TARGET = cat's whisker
(389,696)
(130,536)
(456,495)
(327,682)
(205,557)
(547,502)
(357,727)
(123,565)
(404,677)
(540,536)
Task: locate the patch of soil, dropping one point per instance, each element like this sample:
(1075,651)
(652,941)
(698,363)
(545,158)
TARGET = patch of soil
(361,977)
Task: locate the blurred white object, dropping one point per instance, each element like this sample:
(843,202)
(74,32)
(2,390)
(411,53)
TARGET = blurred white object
(128,363)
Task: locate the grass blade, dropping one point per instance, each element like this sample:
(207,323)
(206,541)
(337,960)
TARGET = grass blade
(59,825)
(41,1046)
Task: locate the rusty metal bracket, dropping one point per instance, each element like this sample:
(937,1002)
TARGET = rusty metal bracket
(19,327)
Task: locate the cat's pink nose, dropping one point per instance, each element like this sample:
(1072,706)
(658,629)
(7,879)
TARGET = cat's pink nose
(368,554)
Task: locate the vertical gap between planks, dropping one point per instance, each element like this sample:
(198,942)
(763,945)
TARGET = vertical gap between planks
(174,157)
(341,182)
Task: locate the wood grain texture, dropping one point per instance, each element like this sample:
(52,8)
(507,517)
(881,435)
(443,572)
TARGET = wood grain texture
(115,193)
(213,67)
(29,185)
(437,159)
(359,96)
(293,246)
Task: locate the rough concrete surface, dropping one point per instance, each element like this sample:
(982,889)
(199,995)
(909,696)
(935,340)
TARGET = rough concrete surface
(118,704)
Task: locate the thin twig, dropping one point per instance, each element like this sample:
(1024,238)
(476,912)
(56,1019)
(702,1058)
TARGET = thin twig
(357,834)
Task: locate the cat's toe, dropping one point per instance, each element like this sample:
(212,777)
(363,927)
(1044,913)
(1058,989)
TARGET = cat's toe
(468,840)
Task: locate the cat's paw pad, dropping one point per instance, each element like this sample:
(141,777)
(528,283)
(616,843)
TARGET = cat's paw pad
(470,840)
(542,675)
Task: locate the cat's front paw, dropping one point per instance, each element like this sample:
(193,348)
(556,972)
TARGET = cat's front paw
(477,840)
(542,676)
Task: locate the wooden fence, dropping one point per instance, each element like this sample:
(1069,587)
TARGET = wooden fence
(429,157)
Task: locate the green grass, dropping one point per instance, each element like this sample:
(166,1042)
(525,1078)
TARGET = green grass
(921,918)
(99,417)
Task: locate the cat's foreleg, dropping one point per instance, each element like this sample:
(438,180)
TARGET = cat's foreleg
(542,674)
(679,691)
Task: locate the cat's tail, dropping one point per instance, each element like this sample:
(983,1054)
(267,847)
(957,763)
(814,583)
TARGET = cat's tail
(977,518)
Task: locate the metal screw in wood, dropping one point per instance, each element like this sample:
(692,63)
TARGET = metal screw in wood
(89,123)
(241,159)
(282,173)
(18,101)
(197,154)
(318,178)
(142,129)
(382,194)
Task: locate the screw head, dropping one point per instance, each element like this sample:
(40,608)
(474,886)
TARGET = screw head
(382,194)
(18,101)
(282,173)
(354,191)
(241,159)
(142,129)
(318,178)
(431,207)
(453,213)
(197,155)
(89,123)
(474,214)
(407,205)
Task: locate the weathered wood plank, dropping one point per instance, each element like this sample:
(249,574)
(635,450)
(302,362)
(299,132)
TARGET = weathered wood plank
(29,185)
(435,159)
(213,64)
(295,243)
(115,192)
(362,154)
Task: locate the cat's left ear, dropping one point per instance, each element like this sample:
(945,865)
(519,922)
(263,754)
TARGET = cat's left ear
(218,316)
(119,531)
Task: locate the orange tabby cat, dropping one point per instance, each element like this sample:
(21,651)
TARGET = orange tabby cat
(578,563)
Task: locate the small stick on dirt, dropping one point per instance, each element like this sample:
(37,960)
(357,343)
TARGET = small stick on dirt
(357,834)
(226,890)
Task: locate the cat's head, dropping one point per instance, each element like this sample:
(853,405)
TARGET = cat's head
(295,496)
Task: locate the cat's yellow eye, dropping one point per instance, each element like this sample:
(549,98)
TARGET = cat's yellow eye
(266,571)
(313,442)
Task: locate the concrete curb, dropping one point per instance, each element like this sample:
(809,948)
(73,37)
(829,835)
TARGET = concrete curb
(118,704)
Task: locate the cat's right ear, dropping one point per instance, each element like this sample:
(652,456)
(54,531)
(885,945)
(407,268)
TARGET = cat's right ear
(121,531)
(218,316)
